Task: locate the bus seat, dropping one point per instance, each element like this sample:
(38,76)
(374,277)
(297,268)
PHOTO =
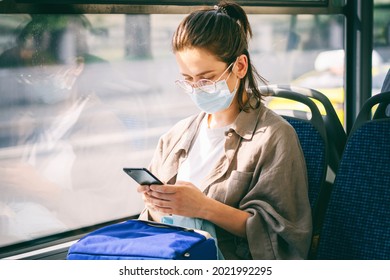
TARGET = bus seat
(336,135)
(312,135)
(357,220)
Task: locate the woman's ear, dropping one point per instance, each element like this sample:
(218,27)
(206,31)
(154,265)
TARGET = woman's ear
(241,66)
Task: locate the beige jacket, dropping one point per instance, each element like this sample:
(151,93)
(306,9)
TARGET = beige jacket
(262,172)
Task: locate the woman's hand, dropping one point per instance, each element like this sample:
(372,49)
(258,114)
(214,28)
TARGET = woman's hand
(183,199)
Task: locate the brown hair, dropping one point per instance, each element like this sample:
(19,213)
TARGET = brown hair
(225,32)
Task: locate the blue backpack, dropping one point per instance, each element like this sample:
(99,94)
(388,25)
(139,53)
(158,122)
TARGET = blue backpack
(143,240)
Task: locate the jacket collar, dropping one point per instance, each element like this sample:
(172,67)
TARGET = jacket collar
(246,122)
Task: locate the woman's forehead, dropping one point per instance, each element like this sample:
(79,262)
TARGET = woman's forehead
(194,61)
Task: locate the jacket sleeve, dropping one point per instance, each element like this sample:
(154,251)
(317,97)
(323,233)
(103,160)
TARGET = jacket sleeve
(280,223)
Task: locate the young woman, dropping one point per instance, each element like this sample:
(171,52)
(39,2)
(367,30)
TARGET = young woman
(236,164)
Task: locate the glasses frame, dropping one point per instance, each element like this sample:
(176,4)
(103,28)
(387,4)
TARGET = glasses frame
(189,87)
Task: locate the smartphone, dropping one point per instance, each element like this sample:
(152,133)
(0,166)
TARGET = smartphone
(142,176)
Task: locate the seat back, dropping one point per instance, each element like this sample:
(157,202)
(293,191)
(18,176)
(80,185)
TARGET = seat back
(311,132)
(336,135)
(357,220)
(383,110)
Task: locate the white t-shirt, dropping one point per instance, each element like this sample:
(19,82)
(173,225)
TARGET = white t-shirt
(206,150)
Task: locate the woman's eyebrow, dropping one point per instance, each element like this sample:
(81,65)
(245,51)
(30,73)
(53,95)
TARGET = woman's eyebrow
(199,74)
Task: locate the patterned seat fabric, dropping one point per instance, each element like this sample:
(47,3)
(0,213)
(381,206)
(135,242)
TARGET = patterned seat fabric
(357,221)
(313,147)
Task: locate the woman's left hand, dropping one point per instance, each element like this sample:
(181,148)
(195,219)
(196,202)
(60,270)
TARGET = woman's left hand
(183,199)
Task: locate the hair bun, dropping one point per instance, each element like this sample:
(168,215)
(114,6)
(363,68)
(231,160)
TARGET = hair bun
(220,9)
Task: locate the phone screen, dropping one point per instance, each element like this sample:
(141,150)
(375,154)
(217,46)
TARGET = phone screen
(142,176)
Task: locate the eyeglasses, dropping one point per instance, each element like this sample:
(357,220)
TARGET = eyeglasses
(205,85)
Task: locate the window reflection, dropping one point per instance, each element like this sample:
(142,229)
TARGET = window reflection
(62,147)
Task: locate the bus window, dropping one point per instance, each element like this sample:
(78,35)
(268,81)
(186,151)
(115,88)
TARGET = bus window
(309,49)
(83,96)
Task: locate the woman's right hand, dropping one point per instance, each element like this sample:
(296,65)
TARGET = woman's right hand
(153,213)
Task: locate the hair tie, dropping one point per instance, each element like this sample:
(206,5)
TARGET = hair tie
(220,9)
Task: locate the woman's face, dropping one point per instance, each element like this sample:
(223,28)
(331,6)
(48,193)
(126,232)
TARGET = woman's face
(196,64)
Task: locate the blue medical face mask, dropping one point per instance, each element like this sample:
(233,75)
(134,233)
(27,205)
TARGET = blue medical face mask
(209,96)
(212,102)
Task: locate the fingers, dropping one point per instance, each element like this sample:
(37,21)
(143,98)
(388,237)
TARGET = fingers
(166,189)
(159,198)
(157,204)
(155,195)
(143,188)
